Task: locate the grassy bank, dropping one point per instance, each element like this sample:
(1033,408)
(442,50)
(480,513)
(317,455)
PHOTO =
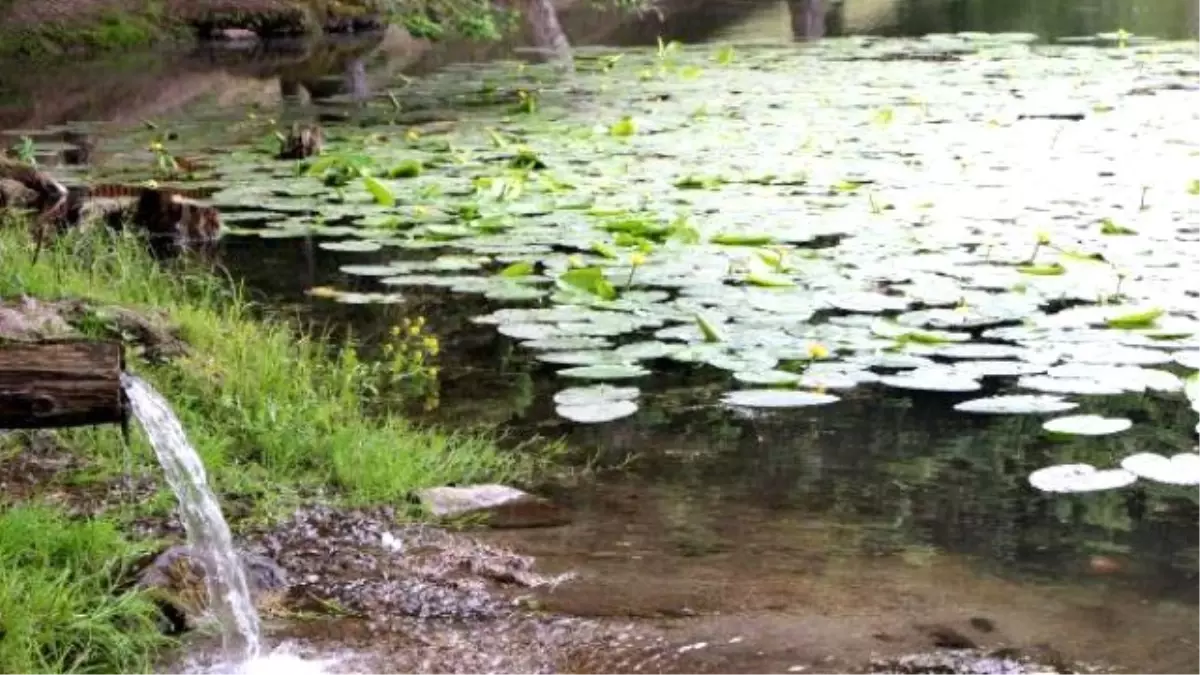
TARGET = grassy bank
(265,406)
(274,415)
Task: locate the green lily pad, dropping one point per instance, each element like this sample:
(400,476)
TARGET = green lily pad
(581,358)
(368,270)
(646,351)
(567,343)
(1071,385)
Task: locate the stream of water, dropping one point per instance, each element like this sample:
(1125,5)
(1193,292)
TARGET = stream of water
(207,532)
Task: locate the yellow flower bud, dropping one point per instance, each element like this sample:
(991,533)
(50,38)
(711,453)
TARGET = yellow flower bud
(637,260)
(817,351)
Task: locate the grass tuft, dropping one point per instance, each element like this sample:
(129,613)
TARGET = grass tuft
(61,610)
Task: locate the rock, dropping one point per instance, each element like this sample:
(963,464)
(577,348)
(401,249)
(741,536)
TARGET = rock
(14,194)
(1007,662)
(500,506)
(29,320)
(175,578)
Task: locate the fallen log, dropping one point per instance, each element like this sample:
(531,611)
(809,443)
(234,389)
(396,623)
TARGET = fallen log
(61,383)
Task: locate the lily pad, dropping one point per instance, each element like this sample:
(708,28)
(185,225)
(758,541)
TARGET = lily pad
(766,377)
(598,412)
(1079,478)
(1087,425)
(1016,404)
(605,372)
(600,393)
(931,380)
(777,398)
(351,245)
(1181,469)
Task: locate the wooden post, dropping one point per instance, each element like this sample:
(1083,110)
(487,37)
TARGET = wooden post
(61,383)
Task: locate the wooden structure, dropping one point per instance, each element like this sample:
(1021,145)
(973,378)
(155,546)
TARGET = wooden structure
(61,383)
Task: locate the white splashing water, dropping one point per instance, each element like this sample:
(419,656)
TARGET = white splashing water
(207,532)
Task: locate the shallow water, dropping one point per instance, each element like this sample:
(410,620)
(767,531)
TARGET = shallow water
(812,537)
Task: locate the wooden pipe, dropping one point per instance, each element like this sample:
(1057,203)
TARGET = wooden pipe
(62,383)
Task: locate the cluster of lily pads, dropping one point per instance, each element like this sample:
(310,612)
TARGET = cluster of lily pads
(1011,220)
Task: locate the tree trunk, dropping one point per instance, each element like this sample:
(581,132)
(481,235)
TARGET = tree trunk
(65,383)
(808,18)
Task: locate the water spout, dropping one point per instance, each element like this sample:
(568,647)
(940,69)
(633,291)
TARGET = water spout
(207,532)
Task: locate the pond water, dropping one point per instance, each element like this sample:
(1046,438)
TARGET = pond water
(895,226)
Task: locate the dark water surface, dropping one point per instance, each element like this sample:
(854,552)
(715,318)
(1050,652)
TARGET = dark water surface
(820,533)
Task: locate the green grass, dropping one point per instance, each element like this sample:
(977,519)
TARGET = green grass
(270,411)
(61,607)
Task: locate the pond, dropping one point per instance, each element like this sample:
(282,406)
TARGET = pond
(815,304)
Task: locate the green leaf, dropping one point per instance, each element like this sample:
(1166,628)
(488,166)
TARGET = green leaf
(409,168)
(517,269)
(590,280)
(1143,319)
(1193,187)
(605,250)
(710,331)
(623,127)
(1107,226)
(379,191)
(742,239)
(768,280)
(1051,270)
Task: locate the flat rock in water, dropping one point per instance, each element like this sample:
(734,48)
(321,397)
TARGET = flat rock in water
(502,506)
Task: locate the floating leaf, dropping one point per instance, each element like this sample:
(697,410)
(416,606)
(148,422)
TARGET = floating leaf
(766,377)
(379,191)
(1087,425)
(742,239)
(351,245)
(777,398)
(517,269)
(768,280)
(590,280)
(1107,226)
(1017,404)
(931,380)
(1141,319)
(623,127)
(708,329)
(597,413)
(605,372)
(1182,469)
(600,393)
(1079,478)
(1050,270)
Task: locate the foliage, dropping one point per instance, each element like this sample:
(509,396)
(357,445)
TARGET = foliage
(269,410)
(61,609)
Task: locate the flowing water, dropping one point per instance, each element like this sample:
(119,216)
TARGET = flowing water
(207,532)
